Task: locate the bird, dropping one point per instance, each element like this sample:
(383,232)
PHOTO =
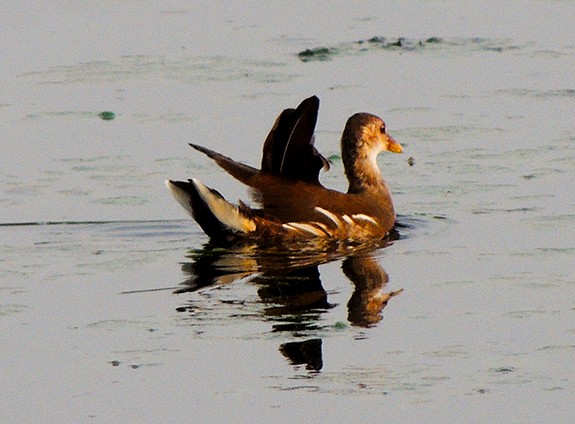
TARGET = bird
(292,203)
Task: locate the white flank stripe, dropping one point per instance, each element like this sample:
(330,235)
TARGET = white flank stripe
(326,230)
(363,217)
(289,227)
(347,219)
(307,228)
(329,214)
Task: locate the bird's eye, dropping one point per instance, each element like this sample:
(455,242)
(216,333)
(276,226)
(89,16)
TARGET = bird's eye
(382,128)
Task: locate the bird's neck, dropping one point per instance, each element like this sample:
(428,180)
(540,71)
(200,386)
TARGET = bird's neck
(363,173)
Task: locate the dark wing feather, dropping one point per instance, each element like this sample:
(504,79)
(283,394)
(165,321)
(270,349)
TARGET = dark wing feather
(275,143)
(288,149)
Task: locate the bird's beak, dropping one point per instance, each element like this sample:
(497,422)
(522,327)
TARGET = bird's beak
(393,146)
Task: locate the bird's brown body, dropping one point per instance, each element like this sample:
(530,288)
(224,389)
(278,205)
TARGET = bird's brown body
(294,204)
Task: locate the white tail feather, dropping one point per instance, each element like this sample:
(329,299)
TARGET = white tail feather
(225,212)
(180,195)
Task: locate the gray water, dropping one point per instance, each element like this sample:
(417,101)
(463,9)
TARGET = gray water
(112,307)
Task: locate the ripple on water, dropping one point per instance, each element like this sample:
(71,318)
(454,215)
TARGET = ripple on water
(124,200)
(418,379)
(552,222)
(10,309)
(567,93)
(42,252)
(186,69)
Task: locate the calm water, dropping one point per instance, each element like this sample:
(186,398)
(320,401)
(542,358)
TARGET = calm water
(113,308)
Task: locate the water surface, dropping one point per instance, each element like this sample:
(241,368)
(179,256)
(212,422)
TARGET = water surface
(114,307)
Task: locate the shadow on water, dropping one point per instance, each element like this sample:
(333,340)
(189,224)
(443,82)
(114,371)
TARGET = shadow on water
(290,289)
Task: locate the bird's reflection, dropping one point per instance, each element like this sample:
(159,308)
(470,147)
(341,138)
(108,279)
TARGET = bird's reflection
(306,353)
(368,299)
(289,286)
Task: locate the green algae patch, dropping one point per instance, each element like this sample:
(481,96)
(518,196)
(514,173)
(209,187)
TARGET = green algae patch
(340,325)
(107,115)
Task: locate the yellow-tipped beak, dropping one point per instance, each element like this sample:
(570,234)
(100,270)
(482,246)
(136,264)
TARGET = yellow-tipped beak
(393,146)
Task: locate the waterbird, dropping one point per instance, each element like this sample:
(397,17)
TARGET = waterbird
(292,203)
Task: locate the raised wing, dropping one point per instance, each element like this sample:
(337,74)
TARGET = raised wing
(288,150)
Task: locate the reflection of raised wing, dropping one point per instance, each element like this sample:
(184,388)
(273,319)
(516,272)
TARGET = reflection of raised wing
(306,352)
(291,291)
